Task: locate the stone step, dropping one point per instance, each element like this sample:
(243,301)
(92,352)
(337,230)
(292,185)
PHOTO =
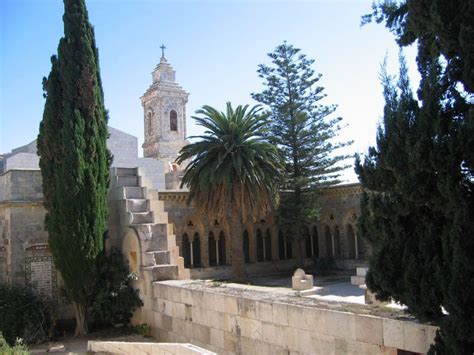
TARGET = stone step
(142,217)
(163,272)
(127,180)
(138,205)
(134,192)
(357,280)
(126,171)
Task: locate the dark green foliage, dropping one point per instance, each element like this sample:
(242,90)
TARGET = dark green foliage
(23,315)
(419,214)
(114,298)
(440,27)
(423,171)
(74,159)
(303,132)
(233,171)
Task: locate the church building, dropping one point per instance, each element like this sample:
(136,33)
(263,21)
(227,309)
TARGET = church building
(160,235)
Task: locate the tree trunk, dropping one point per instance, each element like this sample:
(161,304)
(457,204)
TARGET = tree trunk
(80,313)
(238,266)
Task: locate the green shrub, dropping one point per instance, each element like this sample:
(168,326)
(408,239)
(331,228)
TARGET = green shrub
(143,329)
(115,299)
(18,349)
(23,315)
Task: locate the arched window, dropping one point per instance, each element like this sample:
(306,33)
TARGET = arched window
(212,250)
(315,239)
(268,245)
(351,242)
(222,256)
(186,250)
(246,246)
(260,252)
(150,122)
(173,120)
(337,241)
(329,246)
(197,249)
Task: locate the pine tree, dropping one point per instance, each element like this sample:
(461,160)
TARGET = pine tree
(74,160)
(303,132)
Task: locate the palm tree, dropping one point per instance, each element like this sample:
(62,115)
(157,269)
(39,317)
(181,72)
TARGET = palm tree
(233,171)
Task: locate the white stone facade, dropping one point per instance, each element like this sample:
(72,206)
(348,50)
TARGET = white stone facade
(164,114)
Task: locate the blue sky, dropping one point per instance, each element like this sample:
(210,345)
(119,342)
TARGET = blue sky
(215,47)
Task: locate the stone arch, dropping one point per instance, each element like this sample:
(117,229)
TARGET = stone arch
(328,239)
(212,249)
(173,120)
(131,250)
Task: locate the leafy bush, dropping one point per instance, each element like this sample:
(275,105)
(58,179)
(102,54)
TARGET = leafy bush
(143,329)
(18,349)
(23,315)
(115,299)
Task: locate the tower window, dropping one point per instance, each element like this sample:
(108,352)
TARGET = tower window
(150,124)
(173,120)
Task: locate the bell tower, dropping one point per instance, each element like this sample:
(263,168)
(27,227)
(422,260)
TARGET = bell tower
(164,111)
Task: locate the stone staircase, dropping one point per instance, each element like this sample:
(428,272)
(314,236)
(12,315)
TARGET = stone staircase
(140,210)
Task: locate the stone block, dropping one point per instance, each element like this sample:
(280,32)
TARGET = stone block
(251,328)
(247,308)
(338,323)
(280,313)
(231,343)
(217,338)
(187,296)
(178,310)
(301,317)
(322,344)
(174,294)
(214,301)
(265,312)
(273,334)
(369,329)
(232,324)
(300,281)
(163,322)
(416,339)
(201,333)
(362,271)
(393,334)
(231,305)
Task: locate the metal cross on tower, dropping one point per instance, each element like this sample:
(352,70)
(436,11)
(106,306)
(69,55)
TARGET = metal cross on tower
(163,50)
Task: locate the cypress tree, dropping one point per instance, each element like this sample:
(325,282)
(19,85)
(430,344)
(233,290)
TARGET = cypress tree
(303,131)
(418,214)
(74,160)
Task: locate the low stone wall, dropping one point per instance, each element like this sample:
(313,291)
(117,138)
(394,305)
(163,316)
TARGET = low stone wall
(120,347)
(228,319)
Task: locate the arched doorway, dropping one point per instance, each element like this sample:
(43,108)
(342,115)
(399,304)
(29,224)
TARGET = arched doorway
(221,260)
(329,246)
(337,241)
(212,249)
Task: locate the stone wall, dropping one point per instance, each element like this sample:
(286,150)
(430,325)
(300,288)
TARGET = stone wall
(232,320)
(334,234)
